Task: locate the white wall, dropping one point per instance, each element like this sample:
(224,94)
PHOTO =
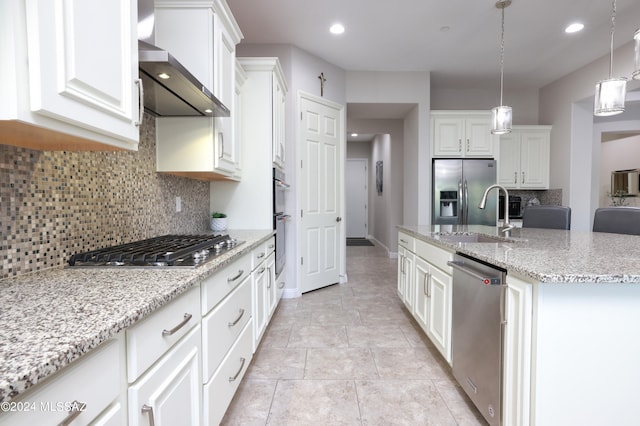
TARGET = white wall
(523,101)
(567,105)
(408,88)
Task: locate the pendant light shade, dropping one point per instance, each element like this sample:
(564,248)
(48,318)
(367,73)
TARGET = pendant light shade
(501,120)
(636,72)
(501,115)
(610,93)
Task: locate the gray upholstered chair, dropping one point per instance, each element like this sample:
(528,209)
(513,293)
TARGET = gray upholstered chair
(617,220)
(552,217)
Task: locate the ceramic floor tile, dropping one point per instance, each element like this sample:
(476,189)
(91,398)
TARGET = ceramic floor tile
(318,337)
(413,363)
(277,363)
(402,402)
(340,364)
(350,354)
(251,403)
(459,404)
(315,402)
(377,336)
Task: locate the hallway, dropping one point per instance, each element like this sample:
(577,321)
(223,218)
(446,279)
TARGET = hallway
(349,354)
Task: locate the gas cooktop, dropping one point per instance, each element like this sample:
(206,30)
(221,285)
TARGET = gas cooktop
(163,251)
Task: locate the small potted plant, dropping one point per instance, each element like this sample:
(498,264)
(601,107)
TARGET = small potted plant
(218,221)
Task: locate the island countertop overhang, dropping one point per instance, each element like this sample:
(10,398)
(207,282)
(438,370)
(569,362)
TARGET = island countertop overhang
(545,255)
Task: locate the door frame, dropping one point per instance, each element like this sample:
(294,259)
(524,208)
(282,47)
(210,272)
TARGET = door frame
(341,164)
(366,216)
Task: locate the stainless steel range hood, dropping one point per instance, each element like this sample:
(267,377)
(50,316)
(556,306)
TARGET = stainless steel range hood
(179,95)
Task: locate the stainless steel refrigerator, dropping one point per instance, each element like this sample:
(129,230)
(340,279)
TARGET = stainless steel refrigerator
(458,186)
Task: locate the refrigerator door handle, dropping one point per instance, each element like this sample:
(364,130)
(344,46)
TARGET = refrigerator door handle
(466,203)
(460,206)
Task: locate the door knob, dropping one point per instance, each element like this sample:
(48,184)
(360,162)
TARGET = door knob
(338,219)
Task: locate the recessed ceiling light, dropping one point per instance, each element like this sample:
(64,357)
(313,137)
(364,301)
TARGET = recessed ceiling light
(337,29)
(354,135)
(164,75)
(445,29)
(574,28)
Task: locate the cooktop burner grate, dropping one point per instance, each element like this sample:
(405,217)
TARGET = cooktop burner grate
(166,250)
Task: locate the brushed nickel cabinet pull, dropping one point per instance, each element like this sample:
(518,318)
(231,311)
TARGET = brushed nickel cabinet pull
(429,286)
(77,408)
(281,284)
(231,324)
(270,281)
(403,241)
(515,177)
(186,319)
(459,145)
(221,144)
(138,123)
(261,255)
(467,145)
(149,410)
(261,270)
(522,177)
(232,279)
(231,379)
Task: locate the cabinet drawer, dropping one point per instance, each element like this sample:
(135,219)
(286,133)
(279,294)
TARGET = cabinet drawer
(223,326)
(218,285)
(171,391)
(90,383)
(220,390)
(259,255)
(406,241)
(435,255)
(270,245)
(150,338)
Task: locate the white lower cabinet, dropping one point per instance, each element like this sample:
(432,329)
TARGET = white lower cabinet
(170,393)
(425,286)
(66,398)
(219,391)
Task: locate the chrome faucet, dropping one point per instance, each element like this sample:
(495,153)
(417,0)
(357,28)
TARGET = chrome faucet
(507,225)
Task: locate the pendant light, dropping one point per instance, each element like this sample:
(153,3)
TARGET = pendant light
(610,93)
(636,73)
(501,115)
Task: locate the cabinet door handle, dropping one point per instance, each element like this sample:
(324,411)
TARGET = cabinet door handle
(459,145)
(403,241)
(515,177)
(149,410)
(220,144)
(427,285)
(522,177)
(261,255)
(232,279)
(186,319)
(233,323)
(77,408)
(270,283)
(138,123)
(467,145)
(281,284)
(272,246)
(231,379)
(261,270)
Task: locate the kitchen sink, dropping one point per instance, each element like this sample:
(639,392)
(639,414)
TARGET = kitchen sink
(471,238)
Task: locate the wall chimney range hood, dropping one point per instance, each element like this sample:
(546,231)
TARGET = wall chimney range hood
(170,90)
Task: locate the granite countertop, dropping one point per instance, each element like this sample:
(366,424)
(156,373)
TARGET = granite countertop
(547,255)
(49,319)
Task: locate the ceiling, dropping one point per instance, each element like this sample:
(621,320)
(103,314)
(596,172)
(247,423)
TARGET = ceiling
(409,35)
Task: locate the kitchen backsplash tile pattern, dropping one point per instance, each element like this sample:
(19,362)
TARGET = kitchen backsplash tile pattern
(547,197)
(54,204)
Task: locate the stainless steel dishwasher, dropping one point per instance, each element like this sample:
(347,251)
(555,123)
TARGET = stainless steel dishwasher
(476,339)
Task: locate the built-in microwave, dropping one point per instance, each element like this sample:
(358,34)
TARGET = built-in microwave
(625,182)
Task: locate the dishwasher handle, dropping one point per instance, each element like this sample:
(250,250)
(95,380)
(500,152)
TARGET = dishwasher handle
(486,280)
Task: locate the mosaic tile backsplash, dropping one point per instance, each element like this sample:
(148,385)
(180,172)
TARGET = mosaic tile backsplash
(55,204)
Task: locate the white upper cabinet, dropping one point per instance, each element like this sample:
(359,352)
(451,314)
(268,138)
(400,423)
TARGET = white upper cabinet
(523,160)
(69,74)
(462,134)
(203,37)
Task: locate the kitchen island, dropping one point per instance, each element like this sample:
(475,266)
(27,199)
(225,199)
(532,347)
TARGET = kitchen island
(52,318)
(570,346)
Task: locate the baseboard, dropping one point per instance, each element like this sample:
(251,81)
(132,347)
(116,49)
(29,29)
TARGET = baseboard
(291,293)
(391,254)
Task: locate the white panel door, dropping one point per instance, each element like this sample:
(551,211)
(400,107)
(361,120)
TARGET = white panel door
(357,195)
(320,196)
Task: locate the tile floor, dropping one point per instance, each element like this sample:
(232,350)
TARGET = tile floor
(349,354)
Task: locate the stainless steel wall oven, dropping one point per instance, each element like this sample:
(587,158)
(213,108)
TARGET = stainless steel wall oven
(280,187)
